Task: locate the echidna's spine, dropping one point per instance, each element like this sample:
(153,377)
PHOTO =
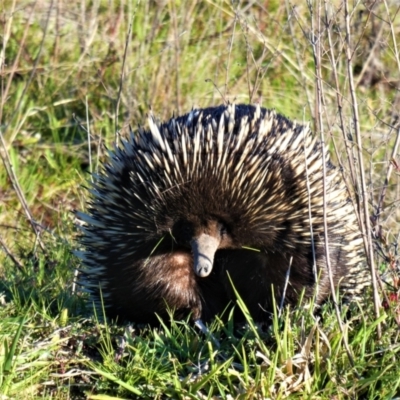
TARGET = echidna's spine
(217,181)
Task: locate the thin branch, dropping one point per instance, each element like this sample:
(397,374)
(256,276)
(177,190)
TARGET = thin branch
(121,81)
(4,154)
(88,139)
(319,102)
(9,254)
(339,101)
(14,181)
(363,200)
(226,92)
(300,62)
(387,179)
(176,57)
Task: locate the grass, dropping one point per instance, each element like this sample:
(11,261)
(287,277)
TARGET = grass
(77,67)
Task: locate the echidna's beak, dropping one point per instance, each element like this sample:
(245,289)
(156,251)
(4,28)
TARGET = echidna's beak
(204,248)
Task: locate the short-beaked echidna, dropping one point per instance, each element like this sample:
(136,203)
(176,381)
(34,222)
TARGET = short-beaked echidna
(227,193)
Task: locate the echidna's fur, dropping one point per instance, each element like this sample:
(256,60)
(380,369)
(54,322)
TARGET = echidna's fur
(228,190)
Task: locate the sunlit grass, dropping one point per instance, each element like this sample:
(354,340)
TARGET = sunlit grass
(63,75)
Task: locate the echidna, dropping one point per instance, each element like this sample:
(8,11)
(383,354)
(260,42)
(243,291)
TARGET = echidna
(221,195)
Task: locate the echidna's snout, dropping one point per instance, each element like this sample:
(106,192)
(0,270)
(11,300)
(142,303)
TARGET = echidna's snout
(204,248)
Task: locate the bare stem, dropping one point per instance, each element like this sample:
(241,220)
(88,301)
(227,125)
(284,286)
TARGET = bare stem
(121,82)
(315,41)
(363,199)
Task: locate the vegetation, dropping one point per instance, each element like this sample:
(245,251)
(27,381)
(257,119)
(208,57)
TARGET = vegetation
(79,70)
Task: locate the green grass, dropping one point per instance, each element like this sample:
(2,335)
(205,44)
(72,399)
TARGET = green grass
(63,72)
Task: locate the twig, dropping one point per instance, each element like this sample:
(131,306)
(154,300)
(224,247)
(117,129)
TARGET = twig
(315,270)
(217,89)
(248,54)
(396,145)
(121,81)
(319,101)
(387,179)
(176,56)
(300,62)
(339,101)
(226,92)
(14,180)
(4,154)
(88,139)
(363,201)
(392,31)
(9,254)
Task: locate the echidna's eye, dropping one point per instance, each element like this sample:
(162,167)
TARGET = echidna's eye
(186,231)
